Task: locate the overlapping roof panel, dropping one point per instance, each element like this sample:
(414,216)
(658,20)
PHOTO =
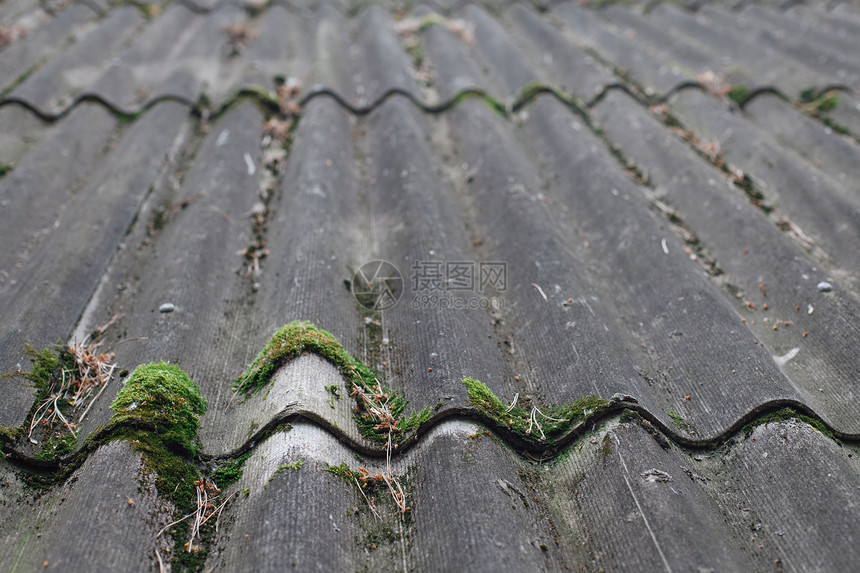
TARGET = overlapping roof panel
(671,190)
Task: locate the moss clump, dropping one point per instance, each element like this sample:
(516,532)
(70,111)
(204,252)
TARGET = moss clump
(740,94)
(175,481)
(678,420)
(416,419)
(818,103)
(532,424)
(5,169)
(482,398)
(808,94)
(784,415)
(158,412)
(57,447)
(606,446)
(295,466)
(46,376)
(372,484)
(334,392)
(161,397)
(416,54)
(48,365)
(342,471)
(827,102)
(292,340)
(296,338)
(229,473)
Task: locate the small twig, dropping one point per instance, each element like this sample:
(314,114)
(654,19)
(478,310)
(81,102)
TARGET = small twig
(372,509)
(202,500)
(533,422)
(540,290)
(132,339)
(549,417)
(399,497)
(63,418)
(169,525)
(161,568)
(101,329)
(35,421)
(94,400)
(218,510)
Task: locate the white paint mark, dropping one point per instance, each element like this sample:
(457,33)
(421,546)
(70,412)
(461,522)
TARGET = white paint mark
(781,360)
(250,163)
(665,247)
(809,309)
(588,306)
(540,290)
(222,138)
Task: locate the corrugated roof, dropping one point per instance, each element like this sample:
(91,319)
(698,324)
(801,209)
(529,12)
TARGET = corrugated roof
(647,210)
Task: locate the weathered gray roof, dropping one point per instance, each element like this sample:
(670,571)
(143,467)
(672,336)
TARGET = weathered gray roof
(666,183)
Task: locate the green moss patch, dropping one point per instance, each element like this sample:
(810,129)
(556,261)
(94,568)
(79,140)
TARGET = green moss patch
(230,472)
(46,377)
(158,412)
(386,496)
(48,365)
(176,481)
(295,466)
(288,343)
(161,397)
(678,420)
(784,415)
(816,103)
(740,94)
(342,471)
(415,420)
(296,338)
(57,447)
(530,423)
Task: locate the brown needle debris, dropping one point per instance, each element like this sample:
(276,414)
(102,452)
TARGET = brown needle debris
(288,97)
(714,82)
(239,36)
(80,384)
(207,497)
(463,29)
(9,34)
(376,405)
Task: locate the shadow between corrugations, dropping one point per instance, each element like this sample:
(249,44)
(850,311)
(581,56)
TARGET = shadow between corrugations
(531,450)
(506,107)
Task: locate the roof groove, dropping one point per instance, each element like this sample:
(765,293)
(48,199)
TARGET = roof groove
(528,94)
